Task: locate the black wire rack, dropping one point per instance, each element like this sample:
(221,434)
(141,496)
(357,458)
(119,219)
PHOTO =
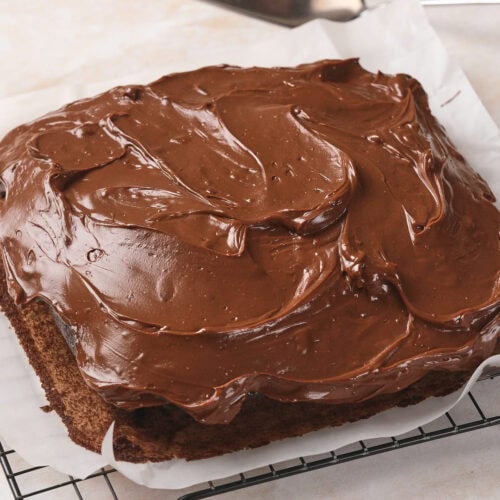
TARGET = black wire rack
(479,410)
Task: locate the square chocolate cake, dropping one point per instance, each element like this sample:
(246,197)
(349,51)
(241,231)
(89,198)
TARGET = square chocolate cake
(229,256)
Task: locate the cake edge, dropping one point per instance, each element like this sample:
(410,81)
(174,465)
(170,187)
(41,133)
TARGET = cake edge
(163,433)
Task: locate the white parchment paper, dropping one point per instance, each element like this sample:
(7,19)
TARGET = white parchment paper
(394,38)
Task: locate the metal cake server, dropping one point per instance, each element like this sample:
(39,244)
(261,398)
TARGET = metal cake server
(295,12)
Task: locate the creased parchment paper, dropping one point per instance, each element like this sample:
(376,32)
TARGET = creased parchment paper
(394,38)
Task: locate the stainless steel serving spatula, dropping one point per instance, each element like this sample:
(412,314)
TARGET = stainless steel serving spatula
(296,12)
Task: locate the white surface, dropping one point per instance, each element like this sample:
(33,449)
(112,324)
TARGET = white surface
(475,51)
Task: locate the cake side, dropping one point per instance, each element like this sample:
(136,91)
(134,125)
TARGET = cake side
(163,433)
(85,414)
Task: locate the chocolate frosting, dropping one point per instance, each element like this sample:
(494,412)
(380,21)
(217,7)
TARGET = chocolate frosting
(306,233)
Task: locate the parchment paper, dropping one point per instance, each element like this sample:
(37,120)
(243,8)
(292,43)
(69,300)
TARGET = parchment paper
(394,38)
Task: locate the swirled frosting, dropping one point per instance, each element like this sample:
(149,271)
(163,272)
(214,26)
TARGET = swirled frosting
(306,233)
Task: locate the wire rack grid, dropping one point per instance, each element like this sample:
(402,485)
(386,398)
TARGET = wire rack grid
(470,414)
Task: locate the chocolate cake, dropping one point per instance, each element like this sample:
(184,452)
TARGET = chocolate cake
(230,256)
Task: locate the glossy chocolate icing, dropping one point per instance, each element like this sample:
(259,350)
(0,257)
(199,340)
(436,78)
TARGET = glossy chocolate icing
(306,233)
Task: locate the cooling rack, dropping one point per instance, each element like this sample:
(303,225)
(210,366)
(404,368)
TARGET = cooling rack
(472,413)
